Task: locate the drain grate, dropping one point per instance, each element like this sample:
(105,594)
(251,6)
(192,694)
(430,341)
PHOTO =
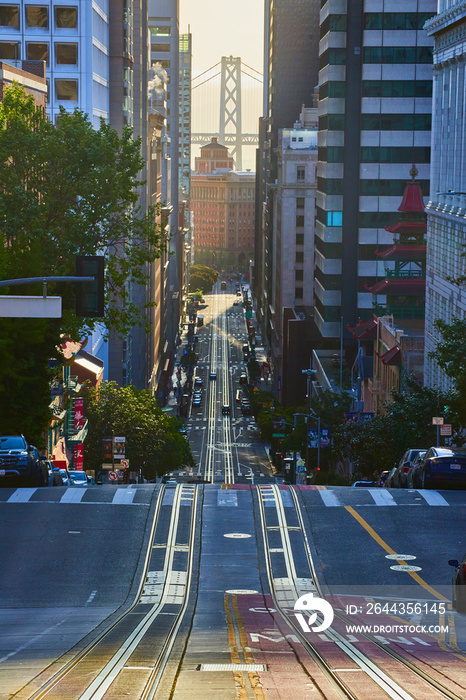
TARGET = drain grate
(233,667)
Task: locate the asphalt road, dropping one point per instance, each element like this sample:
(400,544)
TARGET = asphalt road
(197,584)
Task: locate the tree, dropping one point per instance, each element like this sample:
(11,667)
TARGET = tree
(379,443)
(153,439)
(450,355)
(65,189)
(202,277)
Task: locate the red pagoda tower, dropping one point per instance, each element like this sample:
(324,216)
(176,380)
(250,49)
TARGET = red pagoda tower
(405,282)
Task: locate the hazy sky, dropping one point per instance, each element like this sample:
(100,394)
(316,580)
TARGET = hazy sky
(224,28)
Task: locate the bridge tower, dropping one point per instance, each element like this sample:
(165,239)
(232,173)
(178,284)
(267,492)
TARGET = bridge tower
(230,106)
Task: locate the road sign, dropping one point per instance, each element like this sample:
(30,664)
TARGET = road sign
(29,307)
(437,420)
(445,429)
(113,476)
(124,463)
(248,314)
(278,435)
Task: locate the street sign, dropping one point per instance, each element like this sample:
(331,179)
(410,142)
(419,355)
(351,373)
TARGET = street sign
(124,463)
(445,429)
(12,306)
(113,476)
(278,435)
(437,420)
(248,314)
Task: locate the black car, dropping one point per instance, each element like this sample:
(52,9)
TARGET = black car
(226,410)
(458,598)
(400,476)
(442,467)
(21,463)
(246,408)
(243,379)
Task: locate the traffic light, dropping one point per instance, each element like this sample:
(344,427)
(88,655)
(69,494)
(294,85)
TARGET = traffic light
(90,295)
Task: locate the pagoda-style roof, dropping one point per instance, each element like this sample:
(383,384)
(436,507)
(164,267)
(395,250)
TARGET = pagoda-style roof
(404,287)
(412,196)
(365,330)
(392,356)
(403,252)
(416,228)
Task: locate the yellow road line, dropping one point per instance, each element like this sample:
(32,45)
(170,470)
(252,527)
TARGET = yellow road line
(414,575)
(253,676)
(231,631)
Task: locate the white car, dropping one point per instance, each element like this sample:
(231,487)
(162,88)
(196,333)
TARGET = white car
(79,478)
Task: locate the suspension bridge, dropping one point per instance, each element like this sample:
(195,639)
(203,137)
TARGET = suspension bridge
(226,103)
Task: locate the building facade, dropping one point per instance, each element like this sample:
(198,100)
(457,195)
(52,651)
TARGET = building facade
(185,119)
(446,220)
(73,40)
(30,75)
(292,241)
(223,203)
(375,87)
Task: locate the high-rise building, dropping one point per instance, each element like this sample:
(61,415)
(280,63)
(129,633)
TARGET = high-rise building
(446,222)
(73,40)
(185,115)
(292,242)
(165,53)
(375,87)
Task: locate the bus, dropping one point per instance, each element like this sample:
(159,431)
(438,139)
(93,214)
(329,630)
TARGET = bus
(223,286)
(200,319)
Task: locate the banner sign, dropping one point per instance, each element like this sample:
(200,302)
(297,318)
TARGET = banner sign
(107,449)
(78,457)
(119,447)
(78,414)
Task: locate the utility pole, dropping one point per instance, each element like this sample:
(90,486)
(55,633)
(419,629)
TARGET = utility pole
(309,372)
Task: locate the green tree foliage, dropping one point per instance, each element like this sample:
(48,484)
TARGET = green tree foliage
(65,189)
(450,354)
(379,443)
(202,277)
(153,440)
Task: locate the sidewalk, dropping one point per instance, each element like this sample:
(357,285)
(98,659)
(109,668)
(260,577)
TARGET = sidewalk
(178,377)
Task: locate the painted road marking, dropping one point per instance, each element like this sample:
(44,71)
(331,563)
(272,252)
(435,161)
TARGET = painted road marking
(433,498)
(330,498)
(124,496)
(227,498)
(21,495)
(73,495)
(382,497)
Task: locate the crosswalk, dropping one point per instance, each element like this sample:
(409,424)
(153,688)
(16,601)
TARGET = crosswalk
(132,495)
(370,497)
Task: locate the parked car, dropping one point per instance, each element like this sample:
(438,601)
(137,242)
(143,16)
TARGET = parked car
(442,467)
(65,475)
(213,375)
(364,484)
(383,478)
(21,463)
(458,597)
(416,463)
(79,478)
(399,478)
(198,381)
(226,410)
(388,481)
(55,478)
(246,408)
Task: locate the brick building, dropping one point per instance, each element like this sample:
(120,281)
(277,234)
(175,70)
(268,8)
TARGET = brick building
(29,74)
(223,202)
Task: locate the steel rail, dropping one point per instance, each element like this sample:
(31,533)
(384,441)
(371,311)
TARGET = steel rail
(56,678)
(323,665)
(391,652)
(226,421)
(101,684)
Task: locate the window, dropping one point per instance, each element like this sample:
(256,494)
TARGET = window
(330,186)
(333,23)
(300,173)
(9,16)
(299,275)
(160,47)
(396,122)
(334,218)
(389,188)
(335,88)
(37,16)
(66,17)
(398,54)
(10,50)
(160,31)
(66,90)
(66,53)
(38,52)
(299,257)
(332,57)
(396,20)
(330,154)
(298,293)
(299,202)
(300,239)
(300,220)
(397,88)
(394,154)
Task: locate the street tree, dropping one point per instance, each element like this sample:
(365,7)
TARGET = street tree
(66,189)
(153,440)
(202,277)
